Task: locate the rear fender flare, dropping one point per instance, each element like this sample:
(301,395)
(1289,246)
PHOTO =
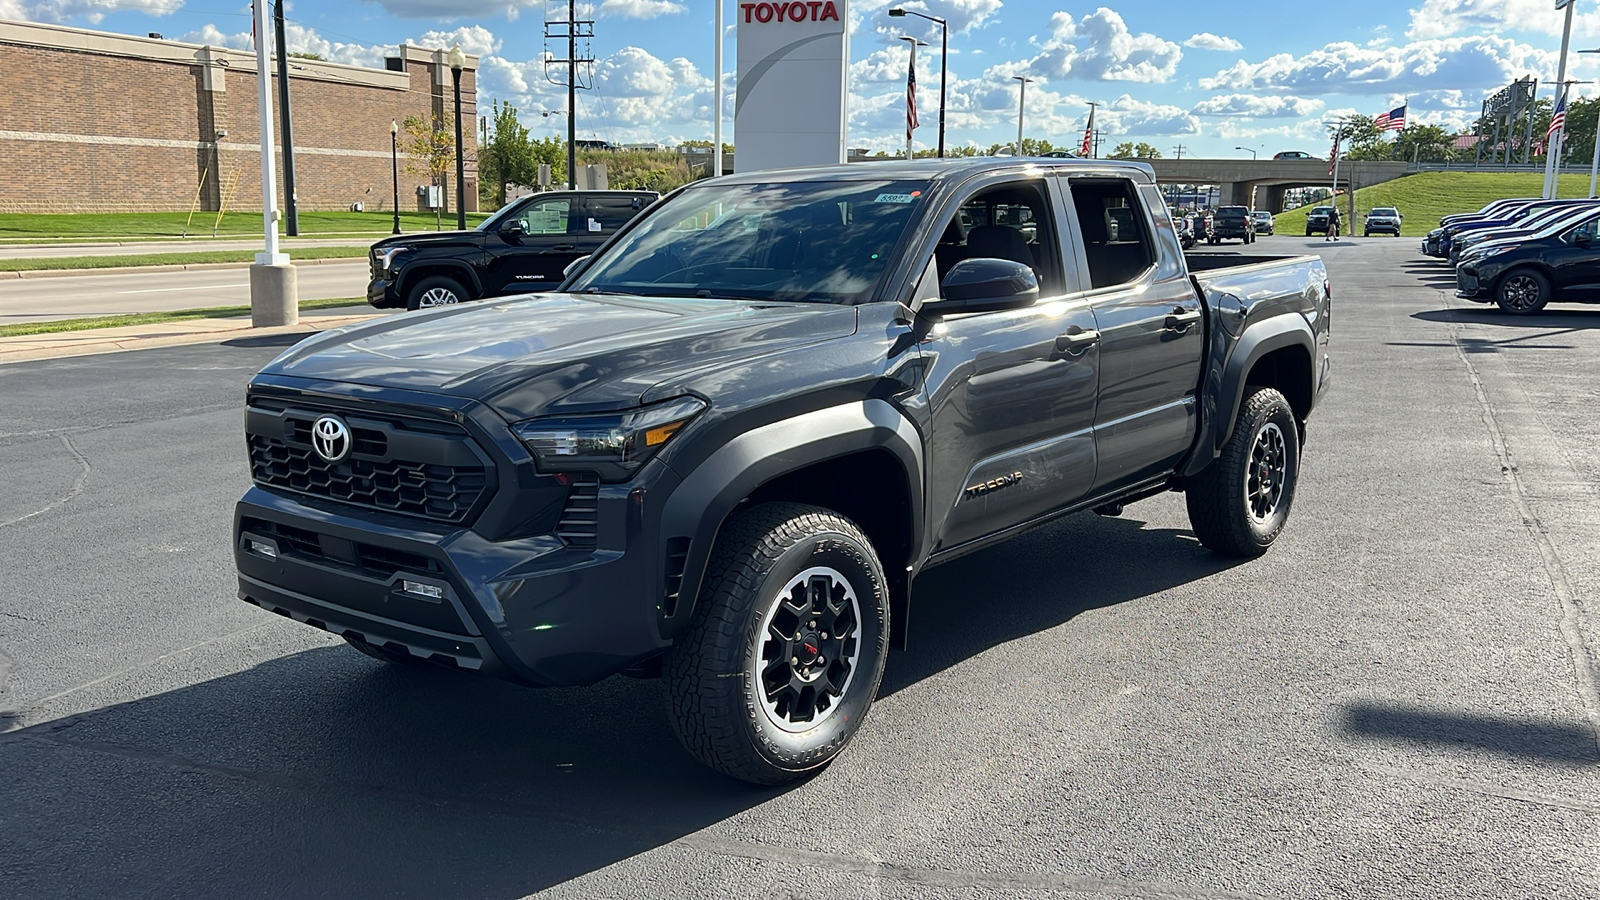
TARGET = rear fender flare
(702,502)
(1259,339)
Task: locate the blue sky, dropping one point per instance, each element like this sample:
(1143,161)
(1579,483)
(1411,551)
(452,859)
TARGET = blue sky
(1211,76)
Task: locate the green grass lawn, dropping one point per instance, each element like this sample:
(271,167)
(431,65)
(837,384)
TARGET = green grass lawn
(215,312)
(23,227)
(133,260)
(1426,197)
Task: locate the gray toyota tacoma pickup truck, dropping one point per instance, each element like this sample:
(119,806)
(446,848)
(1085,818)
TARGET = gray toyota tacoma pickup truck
(725,449)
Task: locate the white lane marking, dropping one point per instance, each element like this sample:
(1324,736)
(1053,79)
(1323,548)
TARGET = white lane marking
(202,287)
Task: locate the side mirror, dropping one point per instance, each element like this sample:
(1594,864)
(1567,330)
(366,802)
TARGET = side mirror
(575,266)
(512,228)
(986,285)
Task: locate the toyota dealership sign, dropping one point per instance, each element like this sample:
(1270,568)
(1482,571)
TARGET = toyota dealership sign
(790,109)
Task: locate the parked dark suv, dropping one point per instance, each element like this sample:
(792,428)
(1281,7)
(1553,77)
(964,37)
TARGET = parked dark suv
(524,247)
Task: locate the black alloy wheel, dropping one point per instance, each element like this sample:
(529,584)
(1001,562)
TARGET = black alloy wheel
(782,659)
(1240,503)
(1522,292)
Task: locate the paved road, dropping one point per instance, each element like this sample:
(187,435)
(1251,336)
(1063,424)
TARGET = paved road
(135,248)
(1397,702)
(80,296)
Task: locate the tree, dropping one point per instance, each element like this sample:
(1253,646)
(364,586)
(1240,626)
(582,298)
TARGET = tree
(1130,150)
(314,56)
(508,156)
(1359,138)
(1424,143)
(430,150)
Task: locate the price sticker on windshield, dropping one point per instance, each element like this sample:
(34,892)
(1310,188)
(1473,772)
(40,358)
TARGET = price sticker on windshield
(896,198)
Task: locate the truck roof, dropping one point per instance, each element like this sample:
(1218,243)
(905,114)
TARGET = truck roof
(942,169)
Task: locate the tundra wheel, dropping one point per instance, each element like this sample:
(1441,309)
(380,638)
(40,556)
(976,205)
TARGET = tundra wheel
(436,290)
(787,645)
(1522,292)
(1238,505)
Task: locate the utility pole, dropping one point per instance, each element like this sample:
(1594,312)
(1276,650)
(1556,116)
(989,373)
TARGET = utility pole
(292,215)
(574,28)
(1178,152)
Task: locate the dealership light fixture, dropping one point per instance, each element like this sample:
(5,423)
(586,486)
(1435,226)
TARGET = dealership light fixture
(458,61)
(944,57)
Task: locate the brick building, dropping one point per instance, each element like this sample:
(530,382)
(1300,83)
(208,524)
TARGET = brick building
(98,122)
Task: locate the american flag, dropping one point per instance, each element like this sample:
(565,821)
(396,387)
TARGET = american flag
(1559,120)
(1393,120)
(1333,156)
(911,95)
(1088,136)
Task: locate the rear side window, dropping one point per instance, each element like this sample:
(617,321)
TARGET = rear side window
(611,213)
(1116,239)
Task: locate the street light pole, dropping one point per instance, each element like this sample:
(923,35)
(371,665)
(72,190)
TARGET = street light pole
(944,57)
(458,61)
(1022,101)
(1247,150)
(394,160)
(274,295)
(1552,172)
(1594,167)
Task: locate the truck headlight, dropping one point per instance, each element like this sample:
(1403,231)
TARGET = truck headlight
(614,445)
(388,255)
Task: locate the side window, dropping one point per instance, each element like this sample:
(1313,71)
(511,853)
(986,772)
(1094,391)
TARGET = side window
(547,216)
(1011,221)
(611,213)
(1116,240)
(1582,234)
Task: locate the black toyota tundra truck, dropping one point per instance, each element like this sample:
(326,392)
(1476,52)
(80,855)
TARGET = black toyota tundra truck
(727,446)
(524,247)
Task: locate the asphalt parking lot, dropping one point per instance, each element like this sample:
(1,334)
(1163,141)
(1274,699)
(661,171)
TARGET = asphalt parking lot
(1399,700)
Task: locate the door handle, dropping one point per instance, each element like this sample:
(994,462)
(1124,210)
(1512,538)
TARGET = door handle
(1181,321)
(1076,342)
(561,248)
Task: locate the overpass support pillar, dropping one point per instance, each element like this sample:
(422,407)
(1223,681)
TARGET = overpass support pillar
(1275,195)
(1238,193)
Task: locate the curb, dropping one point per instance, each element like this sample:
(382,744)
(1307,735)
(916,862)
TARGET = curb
(66,344)
(174,267)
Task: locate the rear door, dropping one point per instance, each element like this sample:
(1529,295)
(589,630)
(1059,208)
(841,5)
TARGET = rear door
(605,214)
(1151,334)
(1575,258)
(534,258)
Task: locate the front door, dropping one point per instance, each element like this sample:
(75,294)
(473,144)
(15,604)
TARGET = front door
(1152,339)
(1011,394)
(1575,261)
(534,255)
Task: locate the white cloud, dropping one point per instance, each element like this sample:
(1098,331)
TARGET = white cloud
(1444,18)
(91,10)
(450,10)
(475,40)
(641,9)
(1456,63)
(1099,47)
(1256,107)
(1205,40)
(961,16)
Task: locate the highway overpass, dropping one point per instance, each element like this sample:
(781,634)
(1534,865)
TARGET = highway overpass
(1260,184)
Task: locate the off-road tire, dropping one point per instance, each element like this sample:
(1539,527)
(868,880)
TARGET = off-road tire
(436,290)
(1221,497)
(719,701)
(1522,292)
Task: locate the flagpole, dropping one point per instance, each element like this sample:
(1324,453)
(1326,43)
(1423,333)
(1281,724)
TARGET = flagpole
(716,98)
(1552,167)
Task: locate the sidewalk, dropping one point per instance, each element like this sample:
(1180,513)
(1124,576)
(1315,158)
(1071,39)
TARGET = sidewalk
(64,344)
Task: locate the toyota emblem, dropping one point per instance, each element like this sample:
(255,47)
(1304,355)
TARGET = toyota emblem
(330,438)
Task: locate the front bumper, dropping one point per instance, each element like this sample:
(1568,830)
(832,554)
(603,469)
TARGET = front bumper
(383,293)
(1469,286)
(1381,227)
(544,580)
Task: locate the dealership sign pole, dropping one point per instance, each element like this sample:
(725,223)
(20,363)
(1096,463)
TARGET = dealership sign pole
(273,291)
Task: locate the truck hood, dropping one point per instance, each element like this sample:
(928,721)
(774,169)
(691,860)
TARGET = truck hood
(431,239)
(551,353)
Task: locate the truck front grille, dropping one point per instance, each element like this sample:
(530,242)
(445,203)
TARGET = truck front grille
(444,493)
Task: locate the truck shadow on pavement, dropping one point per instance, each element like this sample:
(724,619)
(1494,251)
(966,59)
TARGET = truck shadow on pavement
(1536,739)
(324,773)
(1037,581)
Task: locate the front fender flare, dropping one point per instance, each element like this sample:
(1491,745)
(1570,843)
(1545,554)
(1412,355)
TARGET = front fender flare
(699,506)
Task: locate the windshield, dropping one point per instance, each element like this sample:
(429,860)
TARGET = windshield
(1231,211)
(1388,211)
(821,241)
(1321,210)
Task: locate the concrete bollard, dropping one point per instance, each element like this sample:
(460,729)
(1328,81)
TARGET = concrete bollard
(274,296)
